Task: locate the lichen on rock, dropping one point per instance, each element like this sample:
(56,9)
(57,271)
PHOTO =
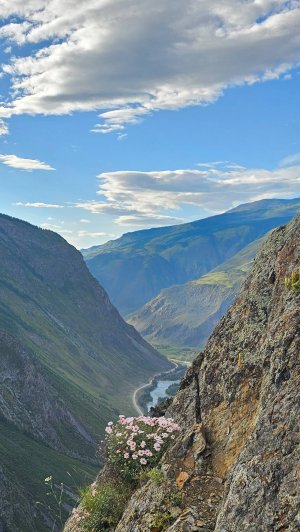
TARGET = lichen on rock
(239,469)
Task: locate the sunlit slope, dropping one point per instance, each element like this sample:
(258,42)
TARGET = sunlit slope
(136,267)
(68,361)
(185,315)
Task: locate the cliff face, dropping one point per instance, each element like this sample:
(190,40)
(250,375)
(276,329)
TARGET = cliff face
(236,463)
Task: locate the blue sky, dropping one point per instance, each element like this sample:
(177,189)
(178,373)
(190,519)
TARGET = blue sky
(197,115)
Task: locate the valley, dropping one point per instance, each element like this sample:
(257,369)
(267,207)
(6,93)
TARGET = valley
(64,350)
(175,283)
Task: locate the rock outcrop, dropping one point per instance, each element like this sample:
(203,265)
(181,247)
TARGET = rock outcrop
(236,463)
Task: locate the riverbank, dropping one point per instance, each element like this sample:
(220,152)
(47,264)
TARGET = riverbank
(141,395)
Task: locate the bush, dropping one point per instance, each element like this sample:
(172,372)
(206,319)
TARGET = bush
(293,282)
(101,508)
(156,476)
(133,445)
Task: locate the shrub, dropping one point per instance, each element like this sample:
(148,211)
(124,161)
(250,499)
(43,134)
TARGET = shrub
(156,476)
(293,282)
(101,508)
(133,445)
(160,521)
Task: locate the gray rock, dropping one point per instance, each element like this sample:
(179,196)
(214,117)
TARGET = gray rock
(249,398)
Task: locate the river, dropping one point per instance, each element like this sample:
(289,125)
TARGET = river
(159,391)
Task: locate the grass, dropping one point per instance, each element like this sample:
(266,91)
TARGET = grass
(177,354)
(26,463)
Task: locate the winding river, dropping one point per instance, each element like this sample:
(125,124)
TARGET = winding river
(159,391)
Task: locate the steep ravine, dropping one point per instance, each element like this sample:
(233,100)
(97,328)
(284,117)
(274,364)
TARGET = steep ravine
(237,458)
(68,364)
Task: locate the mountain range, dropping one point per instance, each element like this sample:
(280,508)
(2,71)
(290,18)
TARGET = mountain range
(174,283)
(64,351)
(185,315)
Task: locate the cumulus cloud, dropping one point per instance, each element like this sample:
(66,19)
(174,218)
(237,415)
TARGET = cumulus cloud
(39,205)
(24,164)
(154,198)
(134,57)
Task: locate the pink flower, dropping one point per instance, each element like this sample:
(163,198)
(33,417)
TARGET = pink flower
(143,461)
(126,455)
(108,430)
(156,446)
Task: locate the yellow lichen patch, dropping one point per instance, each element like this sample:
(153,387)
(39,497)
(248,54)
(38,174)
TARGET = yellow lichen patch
(229,428)
(189,461)
(181,479)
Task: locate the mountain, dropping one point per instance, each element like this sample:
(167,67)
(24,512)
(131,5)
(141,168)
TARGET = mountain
(235,464)
(64,352)
(136,267)
(185,315)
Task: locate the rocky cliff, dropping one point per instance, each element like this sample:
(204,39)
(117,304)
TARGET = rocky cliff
(236,463)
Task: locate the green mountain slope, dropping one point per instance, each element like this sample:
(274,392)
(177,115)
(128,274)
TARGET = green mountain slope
(137,266)
(185,315)
(68,362)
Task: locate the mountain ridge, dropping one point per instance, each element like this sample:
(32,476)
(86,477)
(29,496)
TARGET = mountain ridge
(137,266)
(185,315)
(64,351)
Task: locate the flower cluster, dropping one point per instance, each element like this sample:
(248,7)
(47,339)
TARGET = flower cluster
(79,514)
(136,443)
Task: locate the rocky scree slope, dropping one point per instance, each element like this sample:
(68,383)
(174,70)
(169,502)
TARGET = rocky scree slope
(237,459)
(64,351)
(136,267)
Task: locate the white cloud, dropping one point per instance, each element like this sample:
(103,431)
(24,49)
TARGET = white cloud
(93,234)
(3,128)
(291,160)
(39,205)
(154,198)
(148,220)
(122,136)
(134,57)
(57,228)
(24,164)
(84,221)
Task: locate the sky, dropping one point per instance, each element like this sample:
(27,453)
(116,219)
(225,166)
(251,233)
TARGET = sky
(118,115)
